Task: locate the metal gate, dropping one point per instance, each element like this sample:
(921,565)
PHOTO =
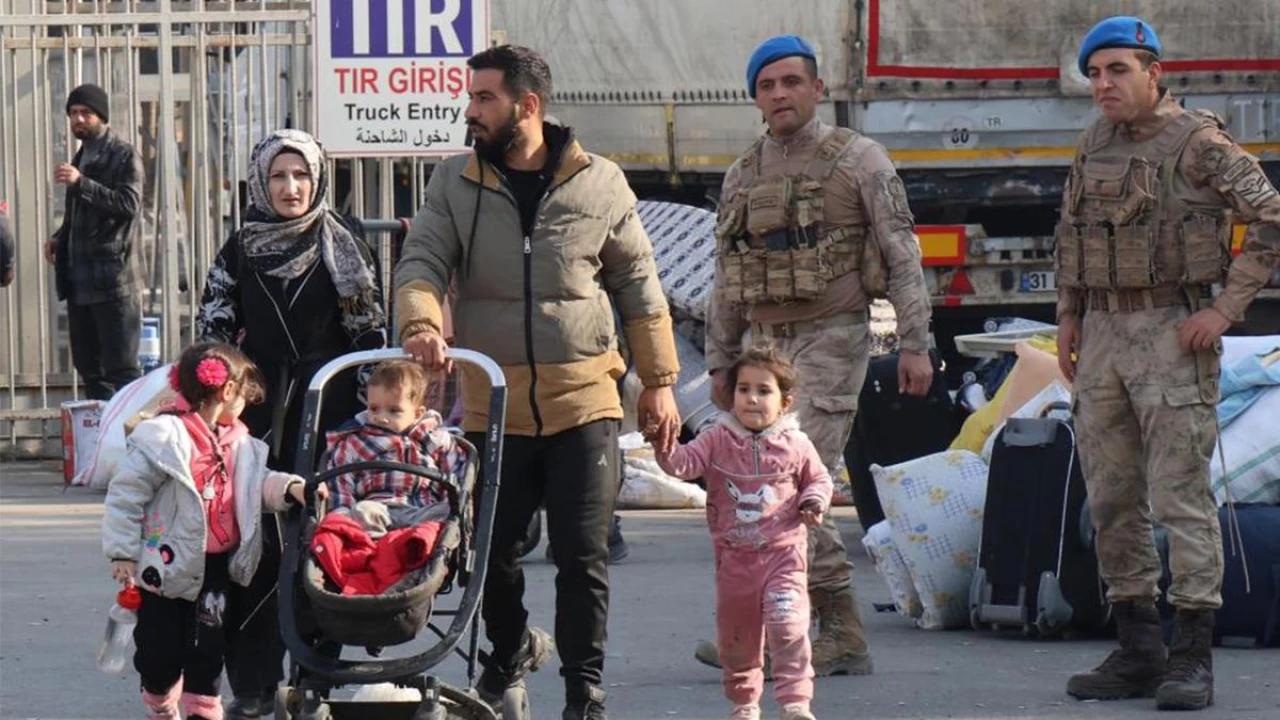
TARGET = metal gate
(193,85)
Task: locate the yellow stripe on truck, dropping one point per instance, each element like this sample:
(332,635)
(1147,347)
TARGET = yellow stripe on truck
(1013,153)
(1261,150)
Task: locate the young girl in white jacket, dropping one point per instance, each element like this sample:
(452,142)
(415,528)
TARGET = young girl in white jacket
(182,522)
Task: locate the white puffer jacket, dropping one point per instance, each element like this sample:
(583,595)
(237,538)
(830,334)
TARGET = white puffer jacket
(156,517)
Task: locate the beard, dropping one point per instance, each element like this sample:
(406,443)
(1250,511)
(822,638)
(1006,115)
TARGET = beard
(500,140)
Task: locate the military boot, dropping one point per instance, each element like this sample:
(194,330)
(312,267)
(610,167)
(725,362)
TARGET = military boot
(841,645)
(1137,668)
(1188,681)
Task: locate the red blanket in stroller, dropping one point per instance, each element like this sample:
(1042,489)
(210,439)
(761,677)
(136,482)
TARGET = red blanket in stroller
(360,565)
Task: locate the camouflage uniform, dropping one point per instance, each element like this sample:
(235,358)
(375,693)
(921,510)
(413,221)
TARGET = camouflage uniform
(1145,234)
(1145,405)
(827,337)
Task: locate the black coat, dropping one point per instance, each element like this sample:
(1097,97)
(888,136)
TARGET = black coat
(97,259)
(6,245)
(290,330)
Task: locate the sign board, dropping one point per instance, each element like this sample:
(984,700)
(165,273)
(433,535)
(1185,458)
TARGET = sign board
(391,76)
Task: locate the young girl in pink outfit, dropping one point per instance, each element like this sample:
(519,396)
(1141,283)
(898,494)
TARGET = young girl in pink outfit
(182,522)
(765,482)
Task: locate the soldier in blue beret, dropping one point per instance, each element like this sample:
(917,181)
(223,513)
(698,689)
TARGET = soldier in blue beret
(1143,242)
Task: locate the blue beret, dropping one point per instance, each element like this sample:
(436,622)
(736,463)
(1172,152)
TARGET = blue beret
(1118,32)
(773,50)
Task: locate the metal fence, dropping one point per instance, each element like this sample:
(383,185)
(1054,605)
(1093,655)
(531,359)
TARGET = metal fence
(193,85)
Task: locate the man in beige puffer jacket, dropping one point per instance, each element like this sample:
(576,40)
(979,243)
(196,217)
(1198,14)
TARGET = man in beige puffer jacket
(541,240)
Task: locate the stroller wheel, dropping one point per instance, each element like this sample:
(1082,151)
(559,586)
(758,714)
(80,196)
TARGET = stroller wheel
(288,703)
(313,709)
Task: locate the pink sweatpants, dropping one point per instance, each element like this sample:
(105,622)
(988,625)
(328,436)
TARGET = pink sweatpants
(763,595)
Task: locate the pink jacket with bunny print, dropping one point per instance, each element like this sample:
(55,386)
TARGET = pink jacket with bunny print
(756,481)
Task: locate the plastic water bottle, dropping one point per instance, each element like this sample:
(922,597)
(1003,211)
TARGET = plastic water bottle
(121,620)
(149,348)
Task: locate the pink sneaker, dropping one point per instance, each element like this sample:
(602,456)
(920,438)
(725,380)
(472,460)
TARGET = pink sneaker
(745,712)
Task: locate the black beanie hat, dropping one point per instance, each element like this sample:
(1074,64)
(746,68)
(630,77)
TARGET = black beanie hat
(92,97)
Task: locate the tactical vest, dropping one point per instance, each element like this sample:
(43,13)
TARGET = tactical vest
(1131,222)
(773,244)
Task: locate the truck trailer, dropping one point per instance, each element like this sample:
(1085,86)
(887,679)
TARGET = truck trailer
(979,103)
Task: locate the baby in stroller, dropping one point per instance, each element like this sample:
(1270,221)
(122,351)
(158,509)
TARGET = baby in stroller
(383,523)
(395,427)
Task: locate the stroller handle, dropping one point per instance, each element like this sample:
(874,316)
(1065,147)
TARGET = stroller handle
(475,562)
(365,357)
(309,430)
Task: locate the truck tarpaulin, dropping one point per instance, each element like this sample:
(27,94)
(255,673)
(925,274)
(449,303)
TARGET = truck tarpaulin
(673,45)
(1010,40)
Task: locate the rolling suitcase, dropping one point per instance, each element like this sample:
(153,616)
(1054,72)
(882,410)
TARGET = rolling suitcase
(1250,577)
(892,428)
(1036,569)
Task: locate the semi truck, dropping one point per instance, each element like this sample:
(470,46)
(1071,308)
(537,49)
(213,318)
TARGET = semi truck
(979,103)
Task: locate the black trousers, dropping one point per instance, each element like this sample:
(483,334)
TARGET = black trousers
(255,650)
(574,475)
(184,639)
(104,344)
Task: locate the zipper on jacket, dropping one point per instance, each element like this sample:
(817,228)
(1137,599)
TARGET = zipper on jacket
(528,334)
(528,292)
(755,452)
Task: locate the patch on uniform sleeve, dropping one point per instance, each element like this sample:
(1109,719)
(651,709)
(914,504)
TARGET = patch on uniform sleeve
(1212,160)
(893,195)
(1245,179)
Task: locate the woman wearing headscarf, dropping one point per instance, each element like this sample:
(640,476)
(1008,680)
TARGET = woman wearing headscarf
(295,287)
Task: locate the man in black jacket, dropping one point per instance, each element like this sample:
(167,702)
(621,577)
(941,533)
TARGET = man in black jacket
(99,270)
(6,247)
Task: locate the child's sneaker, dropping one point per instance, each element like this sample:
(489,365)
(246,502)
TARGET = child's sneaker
(796,712)
(745,712)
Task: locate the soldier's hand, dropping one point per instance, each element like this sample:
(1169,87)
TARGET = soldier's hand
(51,251)
(915,373)
(1068,345)
(811,513)
(1202,330)
(430,351)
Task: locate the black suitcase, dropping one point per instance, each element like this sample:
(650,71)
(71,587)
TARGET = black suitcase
(1250,576)
(891,428)
(1036,569)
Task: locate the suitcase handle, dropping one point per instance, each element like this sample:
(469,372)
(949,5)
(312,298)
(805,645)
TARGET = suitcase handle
(1056,405)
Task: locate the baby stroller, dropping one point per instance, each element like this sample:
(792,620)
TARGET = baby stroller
(314,618)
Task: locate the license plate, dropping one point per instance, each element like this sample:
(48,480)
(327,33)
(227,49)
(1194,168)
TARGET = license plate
(1039,281)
